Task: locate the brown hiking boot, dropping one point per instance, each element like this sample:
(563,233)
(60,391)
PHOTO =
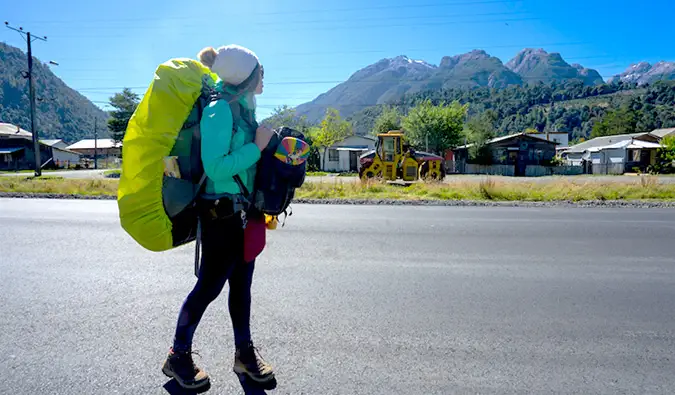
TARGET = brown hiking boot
(248,361)
(181,367)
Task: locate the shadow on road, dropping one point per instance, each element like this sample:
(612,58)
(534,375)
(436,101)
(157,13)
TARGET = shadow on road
(250,387)
(173,388)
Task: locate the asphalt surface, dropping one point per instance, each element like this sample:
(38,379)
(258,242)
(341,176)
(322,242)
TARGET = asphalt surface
(352,300)
(74,174)
(582,179)
(451,178)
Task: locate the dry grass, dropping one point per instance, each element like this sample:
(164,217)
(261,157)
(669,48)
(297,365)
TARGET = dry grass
(491,189)
(643,188)
(58,185)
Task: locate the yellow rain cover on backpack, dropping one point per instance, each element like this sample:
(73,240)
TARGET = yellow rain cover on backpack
(150,138)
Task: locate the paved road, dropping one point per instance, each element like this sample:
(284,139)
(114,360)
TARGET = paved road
(89,174)
(77,174)
(449,179)
(353,300)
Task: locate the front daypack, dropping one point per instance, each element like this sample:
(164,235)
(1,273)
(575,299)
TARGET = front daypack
(281,170)
(162,172)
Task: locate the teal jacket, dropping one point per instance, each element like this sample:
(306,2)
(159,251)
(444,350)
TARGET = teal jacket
(224,153)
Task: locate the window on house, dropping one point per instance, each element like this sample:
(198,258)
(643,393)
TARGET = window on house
(333,155)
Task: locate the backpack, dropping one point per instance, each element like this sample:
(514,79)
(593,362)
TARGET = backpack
(281,170)
(162,173)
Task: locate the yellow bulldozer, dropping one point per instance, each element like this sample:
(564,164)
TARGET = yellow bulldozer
(393,160)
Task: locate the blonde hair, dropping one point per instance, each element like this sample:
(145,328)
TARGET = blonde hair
(208,56)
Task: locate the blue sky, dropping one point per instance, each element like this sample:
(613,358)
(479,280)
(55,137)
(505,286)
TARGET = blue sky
(102,46)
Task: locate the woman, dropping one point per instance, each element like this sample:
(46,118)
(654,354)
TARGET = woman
(231,147)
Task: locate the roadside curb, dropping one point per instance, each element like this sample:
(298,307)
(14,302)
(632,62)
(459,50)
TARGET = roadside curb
(390,202)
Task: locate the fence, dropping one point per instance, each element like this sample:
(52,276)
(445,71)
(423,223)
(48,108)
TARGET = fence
(611,168)
(461,167)
(541,171)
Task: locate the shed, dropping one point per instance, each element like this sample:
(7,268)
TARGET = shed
(344,155)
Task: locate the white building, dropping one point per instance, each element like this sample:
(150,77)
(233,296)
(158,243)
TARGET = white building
(614,154)
(344,156)
(562,138)
(106,150)
(61,156)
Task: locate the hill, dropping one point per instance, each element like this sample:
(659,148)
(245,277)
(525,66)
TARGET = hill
(378,83)
(61,112)
(570,107)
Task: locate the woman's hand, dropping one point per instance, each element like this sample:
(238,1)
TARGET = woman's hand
(262,137)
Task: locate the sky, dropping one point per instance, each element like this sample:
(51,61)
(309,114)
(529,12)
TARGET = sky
(307,47)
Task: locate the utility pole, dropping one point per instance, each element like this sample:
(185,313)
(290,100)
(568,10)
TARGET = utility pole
(31,91)
(95,145)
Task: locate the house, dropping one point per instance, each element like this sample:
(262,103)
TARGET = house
(106,149)
(17,151)
(61,156)
(614,154)
(517,151)
(344,155)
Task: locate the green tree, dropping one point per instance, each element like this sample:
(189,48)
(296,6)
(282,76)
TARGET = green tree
(333,129)
(390,119)
(479,131)
(124,104)
(665,156)
(435,127)
(620,121)
(286,116)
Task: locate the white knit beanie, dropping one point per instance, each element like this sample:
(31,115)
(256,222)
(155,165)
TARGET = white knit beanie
(234,64)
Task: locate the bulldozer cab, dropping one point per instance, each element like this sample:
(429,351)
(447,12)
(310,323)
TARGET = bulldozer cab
(389,147)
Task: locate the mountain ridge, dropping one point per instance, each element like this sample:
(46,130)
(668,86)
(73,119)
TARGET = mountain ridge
(645,73)
(390,79)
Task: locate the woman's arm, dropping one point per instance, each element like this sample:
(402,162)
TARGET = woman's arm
(216,129)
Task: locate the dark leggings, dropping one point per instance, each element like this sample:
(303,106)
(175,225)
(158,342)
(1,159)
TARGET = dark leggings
(222,260)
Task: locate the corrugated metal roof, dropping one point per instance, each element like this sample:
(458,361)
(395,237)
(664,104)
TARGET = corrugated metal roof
(603,142)
(89,144)
(10,150)
(12,130)
(352,149)
(504,138)
(664,132)
(50,142)
(628,144)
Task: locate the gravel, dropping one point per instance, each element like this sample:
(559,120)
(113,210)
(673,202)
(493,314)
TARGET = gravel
(391,202)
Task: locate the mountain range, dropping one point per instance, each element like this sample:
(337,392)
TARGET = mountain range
(391,79)
(646,73)
(61,112)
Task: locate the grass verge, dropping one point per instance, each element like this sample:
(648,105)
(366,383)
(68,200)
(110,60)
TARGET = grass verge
(486,189)
(489,189)
(58,185)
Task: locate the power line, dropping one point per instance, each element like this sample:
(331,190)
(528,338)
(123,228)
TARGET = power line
(309,11)
(372,51)
(286,23)
(316,82)
(351,28)
(294,68)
